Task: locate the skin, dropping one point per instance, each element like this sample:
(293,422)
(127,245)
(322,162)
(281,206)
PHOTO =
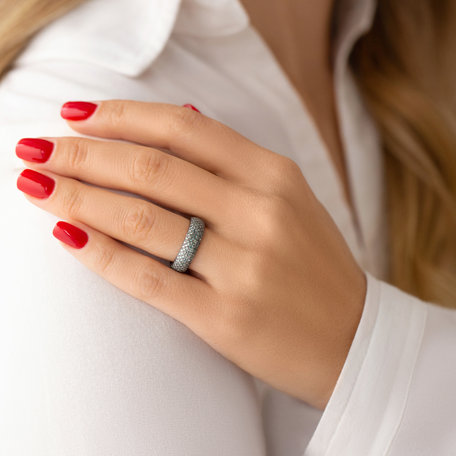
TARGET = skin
(273,286)
(298,34)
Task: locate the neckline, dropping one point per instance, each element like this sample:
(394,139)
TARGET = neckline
(340,47)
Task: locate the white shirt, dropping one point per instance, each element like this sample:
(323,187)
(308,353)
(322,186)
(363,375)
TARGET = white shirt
(90,370)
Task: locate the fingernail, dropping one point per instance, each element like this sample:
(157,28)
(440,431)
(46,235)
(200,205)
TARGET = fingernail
(70,234)
(77,110)
(34,149)
(188,105)
(35,184)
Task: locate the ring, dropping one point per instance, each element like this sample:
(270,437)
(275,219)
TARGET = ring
(189,246)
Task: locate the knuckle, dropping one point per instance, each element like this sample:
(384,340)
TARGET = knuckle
(139,222)
(147,283)
(183,121)
(77,153)
(238,311)
(104,259)
(116,113)
(236,319)
(72,201)
(146,167)
(283,172)
(255,268)
(272,216)
(291,168)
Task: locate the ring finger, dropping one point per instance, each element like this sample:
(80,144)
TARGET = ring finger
(132,220)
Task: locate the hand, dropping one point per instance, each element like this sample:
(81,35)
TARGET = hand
(273,286)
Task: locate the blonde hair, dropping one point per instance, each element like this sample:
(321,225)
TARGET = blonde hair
(21,19)
(405,67)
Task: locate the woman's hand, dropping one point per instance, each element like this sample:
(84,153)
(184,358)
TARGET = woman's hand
(273,286)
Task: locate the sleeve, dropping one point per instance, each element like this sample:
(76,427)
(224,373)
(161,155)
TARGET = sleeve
(396,393)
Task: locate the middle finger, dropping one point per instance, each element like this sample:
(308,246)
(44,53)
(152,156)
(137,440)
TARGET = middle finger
(156,175)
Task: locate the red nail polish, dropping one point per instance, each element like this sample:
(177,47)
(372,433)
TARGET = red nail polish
(70,234)
(188,105)
(35,184)
(34,149)
(77,110)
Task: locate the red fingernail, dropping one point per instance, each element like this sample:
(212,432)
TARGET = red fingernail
(188,105)
(77,110)
(34,149)
(70,234)
(35,184)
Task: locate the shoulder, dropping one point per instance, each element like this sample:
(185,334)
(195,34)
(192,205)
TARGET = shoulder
(95,51)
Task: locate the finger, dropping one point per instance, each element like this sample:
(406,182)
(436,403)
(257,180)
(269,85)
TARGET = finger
(156,175)
(182,296)
(132,220)
(194,137)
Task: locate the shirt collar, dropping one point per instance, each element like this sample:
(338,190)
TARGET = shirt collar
(130,34)
(352,19)
(121,35)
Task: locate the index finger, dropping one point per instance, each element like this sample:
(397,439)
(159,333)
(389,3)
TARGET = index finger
(191,135)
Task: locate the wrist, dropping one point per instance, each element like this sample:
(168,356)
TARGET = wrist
(347,327)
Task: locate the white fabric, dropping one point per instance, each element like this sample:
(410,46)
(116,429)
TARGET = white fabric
(88,370)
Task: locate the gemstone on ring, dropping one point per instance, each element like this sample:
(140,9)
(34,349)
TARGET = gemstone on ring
(190,245)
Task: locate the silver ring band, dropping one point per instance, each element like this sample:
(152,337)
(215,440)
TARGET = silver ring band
(190,245)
